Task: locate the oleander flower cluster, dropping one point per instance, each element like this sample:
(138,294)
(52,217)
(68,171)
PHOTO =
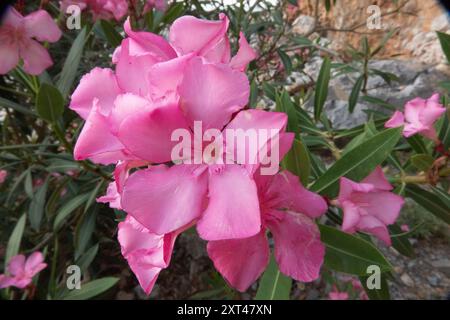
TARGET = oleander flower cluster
(160,86)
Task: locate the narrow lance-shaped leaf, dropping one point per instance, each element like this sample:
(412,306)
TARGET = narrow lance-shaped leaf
(69,71)
(322,88)
(15,239)
(350,254)
(49,103)
(273,284)
(444,39)
(92,289)
(429,202)
(359,162)
(37,206)
(353,99)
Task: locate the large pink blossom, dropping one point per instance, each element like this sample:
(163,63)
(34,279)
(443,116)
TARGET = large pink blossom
(21,270)
(19,38)
(287,209)
(419,117)
(369,206)
(100,9)
(152,93)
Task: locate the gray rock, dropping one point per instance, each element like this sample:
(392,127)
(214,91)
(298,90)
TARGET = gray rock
(407,280)
(303,25)
(443,265)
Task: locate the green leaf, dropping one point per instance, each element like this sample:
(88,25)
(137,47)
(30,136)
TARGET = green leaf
(175,11)
(429,202)
(91,289)
(444,39)
(37,206)
(286,60)
(70,68)
(68,208)
(273,284)
(114,38)
(15,106)
(86,259)
(298,162)
(253,94)
(359,162)
(417,144)
(28,185)
(350,254)
(269,91)
(84,232)
(444,133)
(353,99)
(401,242)
(49,103)
(322,88)
(285,104)
(443,195)
(377,294)
(15,239)
(422,162)
(379,102)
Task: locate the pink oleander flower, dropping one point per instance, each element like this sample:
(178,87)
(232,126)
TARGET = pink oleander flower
(337,295)
(369,206)
(100,9)
(419,117)
(3,175)
(19,38)
(404,228)
(21,270)
(152,92)
(287,210)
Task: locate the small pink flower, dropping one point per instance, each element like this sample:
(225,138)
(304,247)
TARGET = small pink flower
(3,175)
(404,228)
(21,270)
(337,295)
(369,205)
(18,37)
(419,117)
(287,210)
(100,9)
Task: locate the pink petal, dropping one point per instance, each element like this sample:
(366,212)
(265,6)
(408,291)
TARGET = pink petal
(372,225)
(89,88)
(212,93)
(96,141)
(16,265)
(10,57)
(34,263)
(147,253)
(41,26)
(189,34)
(165,77)
(164,199)
(244,55)
(132,70)
(384,205)
(5,281)
(228,256)
(284,191)
(413,108)
(298,249)
(378,180)
(126,105)
(351,216)
(347,187)
(12,18)
(220,53)
(261,126)
(432,111)
(147,134)
(112,196)
(396,120)
(35,57)
(149,43)
(233,209)
(338,295)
